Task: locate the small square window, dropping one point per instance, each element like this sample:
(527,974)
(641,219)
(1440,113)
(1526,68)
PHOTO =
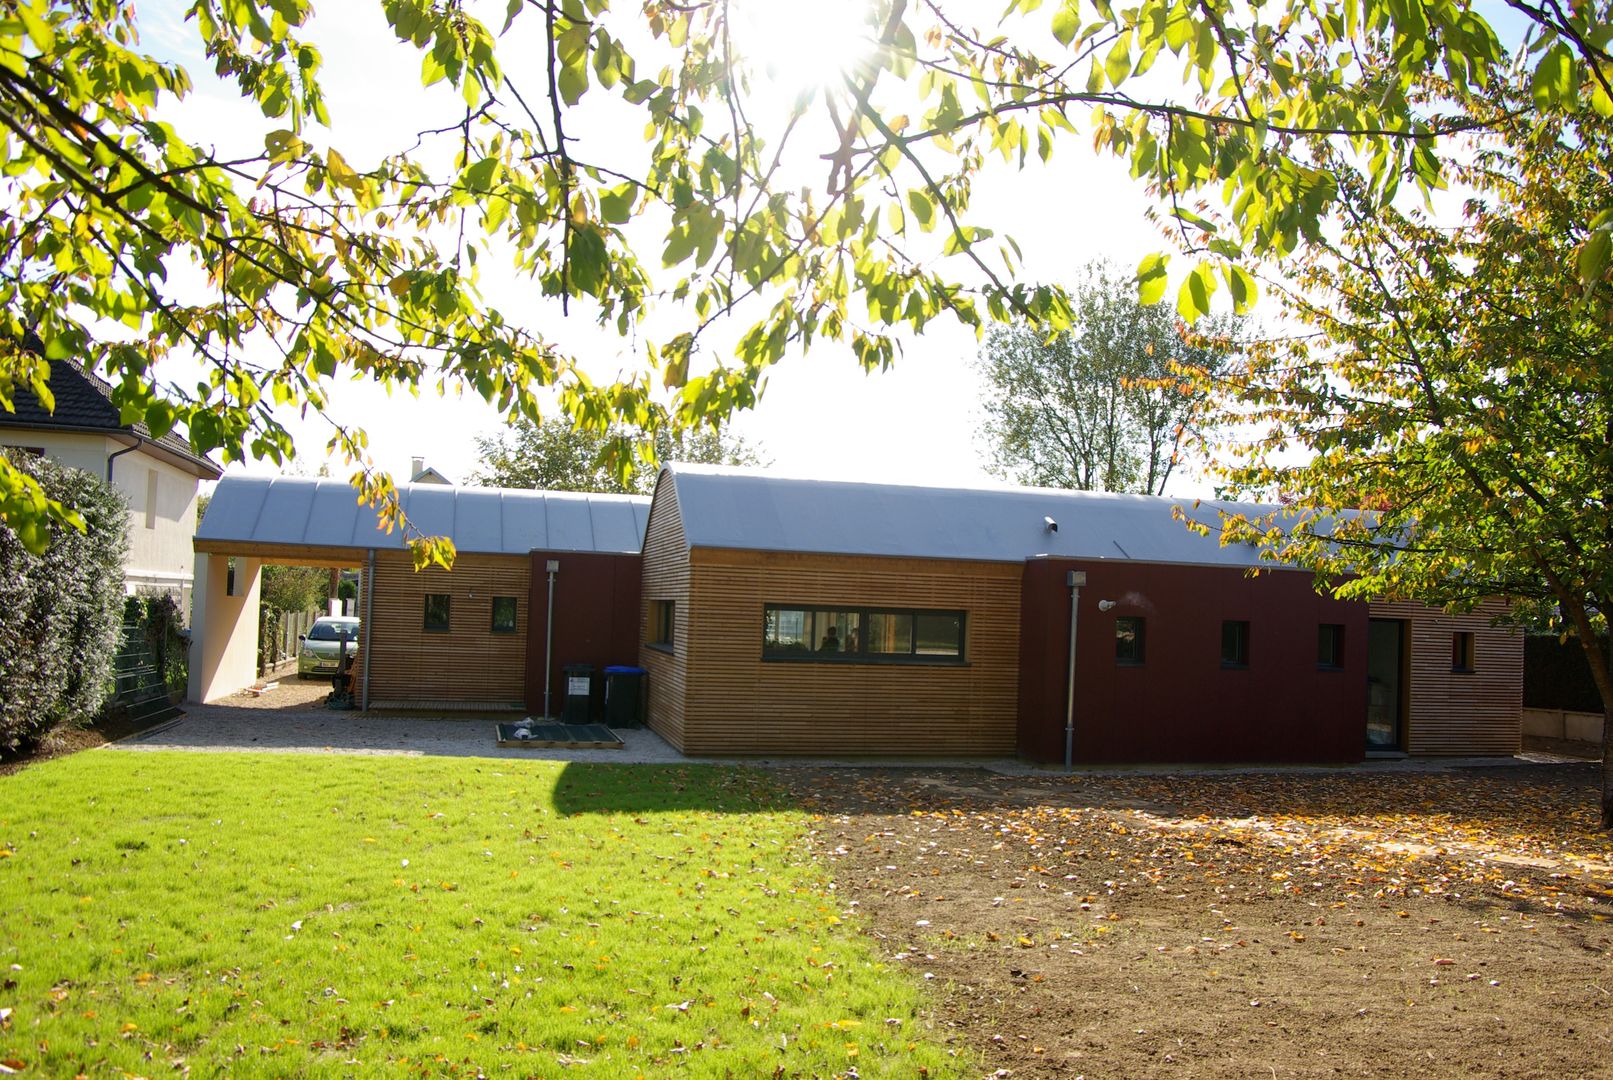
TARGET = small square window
(1330,646)
(1235,643)
(437,611)
(1462,651)
(663,614)
(1130,638)
(503,614)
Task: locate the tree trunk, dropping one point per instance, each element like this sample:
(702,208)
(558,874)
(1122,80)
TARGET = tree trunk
(1601,662)
(1607,765)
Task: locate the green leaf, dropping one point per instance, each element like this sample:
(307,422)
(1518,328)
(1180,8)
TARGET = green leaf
(1242,285)
(1152,278)
(1117,65)
(918,200)
(616,204)
(1553,80)
(1193,298)
(1067,22)
(1594,255)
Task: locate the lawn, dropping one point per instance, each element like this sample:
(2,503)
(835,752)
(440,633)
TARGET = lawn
(271,915)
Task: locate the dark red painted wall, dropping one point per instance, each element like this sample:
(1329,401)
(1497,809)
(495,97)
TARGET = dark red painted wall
(1180,705)
(596,618)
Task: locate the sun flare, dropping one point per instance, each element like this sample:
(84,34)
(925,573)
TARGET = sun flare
(801,47)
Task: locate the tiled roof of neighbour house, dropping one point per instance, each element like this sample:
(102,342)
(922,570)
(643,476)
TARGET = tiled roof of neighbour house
(84,403)
(723,507)
(298,512)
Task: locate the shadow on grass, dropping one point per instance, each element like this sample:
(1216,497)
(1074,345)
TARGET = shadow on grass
(605,788)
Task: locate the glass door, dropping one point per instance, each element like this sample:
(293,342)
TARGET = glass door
(1386,662)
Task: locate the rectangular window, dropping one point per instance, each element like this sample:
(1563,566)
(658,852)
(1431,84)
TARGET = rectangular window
(662,617)
(790,633)
(889,634)
(1330,646)
(1235,643)
(503,614)
(1462,651)
(1130,637)
(437,611)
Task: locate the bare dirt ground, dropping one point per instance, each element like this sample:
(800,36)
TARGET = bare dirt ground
(1286,924)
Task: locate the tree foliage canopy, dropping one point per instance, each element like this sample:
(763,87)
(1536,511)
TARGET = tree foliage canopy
(555,457)
(1108,404)
(1460,389)
(318,266)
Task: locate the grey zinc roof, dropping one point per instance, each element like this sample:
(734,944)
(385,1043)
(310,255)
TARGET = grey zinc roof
(750,509)
(299,512)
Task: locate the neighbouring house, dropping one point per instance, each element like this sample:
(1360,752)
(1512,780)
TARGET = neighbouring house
(421,473)
(475,635)
(788,616)
(158,476)
(800,616)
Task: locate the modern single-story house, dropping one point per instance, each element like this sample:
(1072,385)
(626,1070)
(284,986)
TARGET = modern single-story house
(158,477)
(780,616)
(476,635)
(800,616)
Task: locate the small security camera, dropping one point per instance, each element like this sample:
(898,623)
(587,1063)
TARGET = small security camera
(1052,526)
(1106,605)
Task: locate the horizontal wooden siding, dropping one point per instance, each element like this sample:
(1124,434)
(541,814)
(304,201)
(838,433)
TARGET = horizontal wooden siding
(736,702)
(468,662)
(1449,712)
(666,577)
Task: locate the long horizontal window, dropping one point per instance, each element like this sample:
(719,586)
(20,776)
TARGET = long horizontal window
(871,635)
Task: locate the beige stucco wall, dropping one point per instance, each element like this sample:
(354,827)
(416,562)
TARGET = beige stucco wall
(160,555)
(224,648)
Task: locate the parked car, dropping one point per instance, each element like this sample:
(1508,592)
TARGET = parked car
(320,648)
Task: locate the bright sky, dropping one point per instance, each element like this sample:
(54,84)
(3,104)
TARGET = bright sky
(820,415)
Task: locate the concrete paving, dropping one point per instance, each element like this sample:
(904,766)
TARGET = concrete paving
(291,726)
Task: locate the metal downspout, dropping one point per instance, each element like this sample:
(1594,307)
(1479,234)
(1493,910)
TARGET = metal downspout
(1075,579)
(110,458)
(369,609)
(548,639)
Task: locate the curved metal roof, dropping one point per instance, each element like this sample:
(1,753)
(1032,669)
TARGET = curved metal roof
(723,507)
(299,512)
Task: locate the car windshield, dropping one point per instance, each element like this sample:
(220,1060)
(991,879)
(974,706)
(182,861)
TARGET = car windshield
(333,631)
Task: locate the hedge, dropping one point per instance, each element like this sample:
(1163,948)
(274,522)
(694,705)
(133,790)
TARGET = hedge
(60,612)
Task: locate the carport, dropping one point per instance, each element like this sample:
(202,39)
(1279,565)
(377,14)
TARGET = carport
(432,638)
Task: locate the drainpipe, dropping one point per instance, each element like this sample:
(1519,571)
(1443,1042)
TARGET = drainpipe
(1074,579)
(369,609)
(117,454)
(553,568)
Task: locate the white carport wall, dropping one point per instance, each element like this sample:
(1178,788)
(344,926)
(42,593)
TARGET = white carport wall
(224,638)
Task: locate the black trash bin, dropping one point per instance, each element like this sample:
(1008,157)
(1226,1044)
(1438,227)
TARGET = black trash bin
(580,682)
(624,696)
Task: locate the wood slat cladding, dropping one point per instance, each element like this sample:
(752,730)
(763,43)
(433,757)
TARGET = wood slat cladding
(1450,712)
(666,577)
(735,702)
(468,663)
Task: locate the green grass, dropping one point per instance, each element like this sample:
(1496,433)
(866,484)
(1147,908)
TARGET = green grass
(277,915)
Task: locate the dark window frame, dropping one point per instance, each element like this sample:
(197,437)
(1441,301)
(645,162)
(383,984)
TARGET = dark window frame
(1337,661)
(515,615)
(863,655)
(1464,652)
(1138,641)
(663,624)
(446,624)
(1239,658)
